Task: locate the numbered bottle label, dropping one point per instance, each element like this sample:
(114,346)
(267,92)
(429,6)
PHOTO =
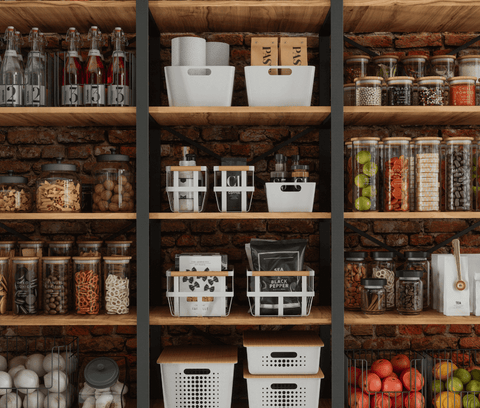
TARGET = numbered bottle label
(72,95)
(13,95)
(118,95)
(94,95)
(35,95)
(2,95)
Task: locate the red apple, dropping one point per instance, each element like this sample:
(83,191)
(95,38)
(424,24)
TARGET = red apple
(370,383)
(359,400)
(400,362)
(414,400)
(383,368)
(412,379)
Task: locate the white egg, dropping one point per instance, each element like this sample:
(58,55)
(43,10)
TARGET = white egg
(104,401)
(16,361)
(119,388)
(26,381)
(89,403)
(35,363)
(3,364)
(71,362)
(118,402)
(53,361)
(13,371)
(56,381)
(11,400)
(54,400)
(34,400)
(5,382)
(86,392)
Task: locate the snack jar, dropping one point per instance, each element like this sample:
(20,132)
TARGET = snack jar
(348,179)
(118,248)
(414,65)
(116,283)
(469,65)
(396,174)
(427,173)
(443,152)
(381,165)
(349,95)
(365,163)
(368,91)
(442,65)
(418,261)
(89,248)
(15,195)
(411,173)
(60,248)
(355,269)
(356,66)
(384,267)
(56,291)
(87,284)
(399,90)
(26,290)
(409,290)
(373,296)
(461,91)
(458,174)
(431,91)
(385,66)
(4,284)
(59,188)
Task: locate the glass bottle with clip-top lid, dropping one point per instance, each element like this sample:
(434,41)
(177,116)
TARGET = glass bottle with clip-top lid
(35,94)
(73,76)
(280,173)
(94,88)
(11,73)
(118,75)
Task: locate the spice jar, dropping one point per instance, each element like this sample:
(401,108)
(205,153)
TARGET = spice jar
(60,248)
(399,91)
(385,66)
(461,91)
(431,91)
(365,163)
(356,66)
(443,65)
(15,195)
(349,95)
(56,285)
(469,65)
(118,248)
(117,277)
(368,91)
(396,174)
(458,177)
(26,294)
(355,269)
(113,190)
(347,164)
(301,173)
(384,267)
(373,296)
(4,284)
(409,292)
(414,65)
(443,151)
(89,248)
(418,261)
(86,281)
(427,173)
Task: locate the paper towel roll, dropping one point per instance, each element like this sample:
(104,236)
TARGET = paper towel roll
(218,53)
(189,51)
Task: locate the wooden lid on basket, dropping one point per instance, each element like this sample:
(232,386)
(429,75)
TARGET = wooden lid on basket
(246,374)
(281,339)
(198,354)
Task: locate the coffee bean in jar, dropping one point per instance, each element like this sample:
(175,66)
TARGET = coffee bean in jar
(355,269)
(458,174)
(409,291)
(56,290)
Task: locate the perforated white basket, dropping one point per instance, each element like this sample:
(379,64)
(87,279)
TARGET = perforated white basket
(290,196)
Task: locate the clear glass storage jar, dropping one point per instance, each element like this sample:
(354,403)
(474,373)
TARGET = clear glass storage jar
(383,267)
(60,248)
(409,290)
(4,284)
(113,185)
(399,90)
(355,269)
(89,248)
(469,65)
(458,174)
(59,188)
(418,261)
(373,296)
(414,65)
(355,66)
(15,195)
(431,91)
(396,174)
(348,179)
(56,285)
(87,284)
(477,94)
(427,173)
(442,65)
(385,66)
(461,91)
(368,91)
(116,284)
(415,94)
(7,249)
(365,162)
(411,174)
(349,95)
(118,248)
(26,293)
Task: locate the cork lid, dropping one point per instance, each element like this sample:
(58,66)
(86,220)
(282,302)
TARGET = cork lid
(116,258)
(400,78)
(356,57)
(368,78)
(246,374)
(198,354)
(462,78)
(52,259)
(439,57)
(366,139)
(428,139)
(53,243)
(431,78)
(20,259)
(459,139)
(89,242)
(468,56)
(396,139)
(4,259)
(380,57)
(7,243)
(31,242)
(118,242)
(284,339)
(411,57)
(348,85)
(85,259)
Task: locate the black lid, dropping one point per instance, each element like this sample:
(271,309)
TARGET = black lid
(355,255)
(11,179)
(382,255)
(409,274)
(296,157)
(191,157)
(59,166)
(380,282)
(302,167)
(113,157)
(279,157)
(416,255)
(102,372)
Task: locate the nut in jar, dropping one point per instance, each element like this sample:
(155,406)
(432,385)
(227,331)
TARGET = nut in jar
(355,270)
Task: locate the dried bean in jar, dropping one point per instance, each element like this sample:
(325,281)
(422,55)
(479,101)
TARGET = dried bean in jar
(458,180)
(430,96)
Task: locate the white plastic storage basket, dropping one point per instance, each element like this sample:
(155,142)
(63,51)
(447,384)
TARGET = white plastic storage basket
(186,188)
(274,391)
(197,376)
(241,184)
(294,352)
(292,301)
(290,196)
(200,86)
(200,293)
(266,89)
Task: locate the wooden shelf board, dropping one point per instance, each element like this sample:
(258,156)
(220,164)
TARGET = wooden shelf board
(324,403)
(239,216)
(240,115)
(58,16)
(432,16)
(300,16)
(411,215)
(67,216)
(160,316)
(67,116)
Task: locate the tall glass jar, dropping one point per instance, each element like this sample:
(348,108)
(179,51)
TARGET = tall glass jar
(409,290)
(373,296)
(355,269)
(365,163)
(476,189)
(461,91)
(349,95)
(7,249)
(477,94)
(59,188)
(4,284)
(348,178)
(368,91)
(431,91)
(26,295)
(411,173)
(356,66)
(458,178)
(414,65)
(427,173)
(60,248)
(56,291)
(469,65)
(381,165)
(442,65)
(418,261)
(117,278)
(385,66)
(400,91)
(15,195)
(118,248)
(87,284)
(89,248)
(34,249)
(397,174)
(384,267)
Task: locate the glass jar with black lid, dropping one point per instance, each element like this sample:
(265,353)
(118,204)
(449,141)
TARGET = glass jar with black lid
(409,289)
(373,295)
(355,269)
(15,195)
(418,261)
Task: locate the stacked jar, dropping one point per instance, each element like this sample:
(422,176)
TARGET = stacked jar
(355,269)
(26,293)
(469,65)
(349,98)
(89,248)
(427,173)
(4,284)
(458,179)
(414,65)
(34,249)
(385,66)
(56,291)
(368,91)
(442,65)
(365,163)
(87,284)
(384,267)
(373,296)
(411,173)
(118,248)
(348,176)
(461,91)
(400,91)
(116,281)
(431,91)
(396,174)
(356,66)
(409,290)
(15,195)
(7,250)
(381,166)
(418,261)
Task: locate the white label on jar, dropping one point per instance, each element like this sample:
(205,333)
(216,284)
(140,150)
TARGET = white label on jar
(94,95)
(14,95)
(35,95)
(72,95)
(118,95)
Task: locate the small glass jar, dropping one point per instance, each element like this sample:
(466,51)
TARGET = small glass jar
(87,198)
(418,261)
(477,94)
(4,284)
(414,65)
(355,269)
(56,292)
(301,173)
(409,290)
(383,267)
(461,91)
(400,91)
(349,95)
(368,91)
(469,65)
(373,296)
(15,195)
(365,163)
(411,174)
(431,91)
(458,174)
(442,65)
(385,66)
(89,248)
(87,284)
(7,248)
(117,278)
(427,173)
(60,248)
(30,248)
(348,179)
(396,174)
(118,248)
(384,95)
(26,295)
(356,66)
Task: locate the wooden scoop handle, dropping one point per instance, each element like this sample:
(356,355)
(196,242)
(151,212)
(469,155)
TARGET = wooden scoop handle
(460,284)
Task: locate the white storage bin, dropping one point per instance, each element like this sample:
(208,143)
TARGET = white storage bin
(293,352)
(290,196)
(186,188)
(197,376)
(264,89)
(274,391)
(200,293)
(280,303)
(242,185)
(200,86)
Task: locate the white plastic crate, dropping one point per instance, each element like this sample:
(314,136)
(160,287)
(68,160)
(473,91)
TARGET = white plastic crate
(197,376)
(265,89)
(270,391)
(200,86)
(200,293)
(296,352)
(303,296)
(290,196)
(186,188)
(243,184)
